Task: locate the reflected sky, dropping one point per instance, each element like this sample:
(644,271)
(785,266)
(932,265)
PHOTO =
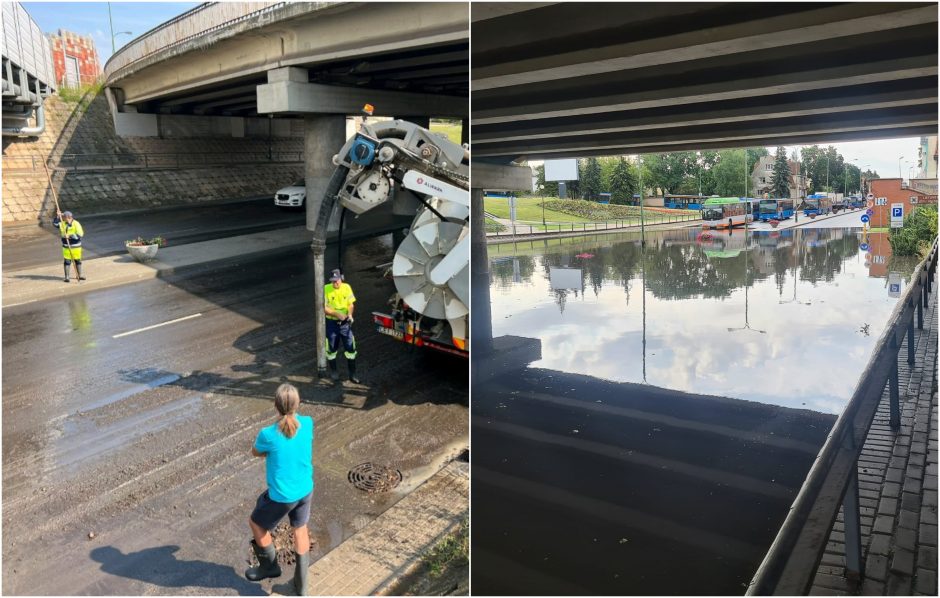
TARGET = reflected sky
(788,318)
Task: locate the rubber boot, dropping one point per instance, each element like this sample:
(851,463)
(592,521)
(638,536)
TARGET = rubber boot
(267,563)
(334,373)
(68,272)
(352,371)
(301,566)
(78,266)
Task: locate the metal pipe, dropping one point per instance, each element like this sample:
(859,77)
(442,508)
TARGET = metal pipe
(318,245)
(29,131)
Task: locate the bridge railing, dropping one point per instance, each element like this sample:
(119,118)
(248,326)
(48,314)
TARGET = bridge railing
(203,19)
(789,567)
(78,162)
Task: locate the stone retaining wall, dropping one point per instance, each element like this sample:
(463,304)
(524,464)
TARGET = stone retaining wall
(86,128)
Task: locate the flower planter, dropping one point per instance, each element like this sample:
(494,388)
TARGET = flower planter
(142,253)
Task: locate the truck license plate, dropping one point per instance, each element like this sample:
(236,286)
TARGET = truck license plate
(392,333)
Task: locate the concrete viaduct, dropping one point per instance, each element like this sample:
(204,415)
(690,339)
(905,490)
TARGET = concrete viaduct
(221,64)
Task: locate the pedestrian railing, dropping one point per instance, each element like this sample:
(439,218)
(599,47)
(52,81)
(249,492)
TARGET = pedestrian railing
(650,218)
(147,161)
(789,567)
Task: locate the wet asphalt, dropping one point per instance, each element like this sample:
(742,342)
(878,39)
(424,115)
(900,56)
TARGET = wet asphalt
(125,451)
(31,246)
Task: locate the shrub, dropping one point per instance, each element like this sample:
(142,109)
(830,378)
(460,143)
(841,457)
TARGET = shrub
(918,233)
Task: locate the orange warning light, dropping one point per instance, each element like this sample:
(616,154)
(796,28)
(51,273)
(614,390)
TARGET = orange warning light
(368,109)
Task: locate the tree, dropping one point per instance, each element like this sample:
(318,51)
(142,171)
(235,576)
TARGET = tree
(669,171)
(781,180)
(623,182)
(728,173)
(551,187)
(591,179)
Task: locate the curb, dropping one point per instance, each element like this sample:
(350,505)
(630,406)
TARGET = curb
(500,239)
(412,565)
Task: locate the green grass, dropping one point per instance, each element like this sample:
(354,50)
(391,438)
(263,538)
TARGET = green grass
(528,209)
(449,128)
(493,227)
(452,550)
(567,211)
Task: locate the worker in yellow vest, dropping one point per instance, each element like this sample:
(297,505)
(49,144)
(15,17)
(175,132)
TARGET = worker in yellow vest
(71,233)
(339,305)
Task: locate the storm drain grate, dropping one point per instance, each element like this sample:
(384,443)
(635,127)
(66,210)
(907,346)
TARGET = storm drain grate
(374,478)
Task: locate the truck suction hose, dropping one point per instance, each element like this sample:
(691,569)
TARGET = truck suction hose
(319,250)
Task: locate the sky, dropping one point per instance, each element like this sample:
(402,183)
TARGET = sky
(91,18)
(882,154)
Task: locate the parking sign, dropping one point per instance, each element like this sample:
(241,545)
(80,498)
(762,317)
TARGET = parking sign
(897,215)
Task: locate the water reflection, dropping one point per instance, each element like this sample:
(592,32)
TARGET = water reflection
(670,313)
(684,390)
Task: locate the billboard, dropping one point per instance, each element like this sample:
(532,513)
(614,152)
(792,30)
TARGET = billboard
(561,170)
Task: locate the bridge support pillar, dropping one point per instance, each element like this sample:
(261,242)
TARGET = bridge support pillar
(324,135)
(481,320)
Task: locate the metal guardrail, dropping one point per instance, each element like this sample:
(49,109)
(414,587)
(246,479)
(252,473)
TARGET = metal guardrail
(198,22)
(535,227)
(789,567)
(73,162)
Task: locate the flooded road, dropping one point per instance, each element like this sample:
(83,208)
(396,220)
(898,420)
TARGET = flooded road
(683,392)
(139,435)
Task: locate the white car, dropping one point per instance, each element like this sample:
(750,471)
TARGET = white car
(292,196)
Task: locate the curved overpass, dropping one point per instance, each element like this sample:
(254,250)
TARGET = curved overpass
(212,59)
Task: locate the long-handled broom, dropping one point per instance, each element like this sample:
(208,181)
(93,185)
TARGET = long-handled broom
(55,197)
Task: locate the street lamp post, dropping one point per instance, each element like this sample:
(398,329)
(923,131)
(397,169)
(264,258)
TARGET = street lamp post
(639,161)
(113,34)
(542,198)
(745,173)
(899,165)
(698,162)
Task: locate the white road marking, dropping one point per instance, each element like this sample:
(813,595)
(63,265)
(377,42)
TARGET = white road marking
(22,303)
(156,326)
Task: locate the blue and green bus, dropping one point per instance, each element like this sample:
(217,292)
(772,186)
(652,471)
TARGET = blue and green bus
(726,212)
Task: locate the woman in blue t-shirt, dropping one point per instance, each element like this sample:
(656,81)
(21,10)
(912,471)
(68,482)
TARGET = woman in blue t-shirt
(287,447)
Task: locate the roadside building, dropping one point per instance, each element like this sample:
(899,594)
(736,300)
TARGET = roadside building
(895,191)
(762,177)
(75,58)
(927,158)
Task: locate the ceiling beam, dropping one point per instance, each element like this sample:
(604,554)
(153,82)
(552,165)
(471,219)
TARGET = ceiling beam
(805,80)
(833,101)
(826,22)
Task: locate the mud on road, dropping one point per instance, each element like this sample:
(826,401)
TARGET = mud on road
(161,476)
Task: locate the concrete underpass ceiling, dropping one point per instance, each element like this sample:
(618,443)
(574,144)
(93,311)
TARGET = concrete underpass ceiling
(591,79)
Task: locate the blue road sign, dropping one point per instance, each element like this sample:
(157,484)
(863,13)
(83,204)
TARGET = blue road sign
(863,246)
(865,218)
(870,212)
(897,212)
(895,287)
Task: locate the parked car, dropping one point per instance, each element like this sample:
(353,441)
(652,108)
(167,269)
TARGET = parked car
(292,196)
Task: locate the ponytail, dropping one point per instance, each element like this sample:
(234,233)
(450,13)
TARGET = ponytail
(286,401)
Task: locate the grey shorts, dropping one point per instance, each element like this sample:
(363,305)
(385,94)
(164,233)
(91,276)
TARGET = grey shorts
(269,512)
